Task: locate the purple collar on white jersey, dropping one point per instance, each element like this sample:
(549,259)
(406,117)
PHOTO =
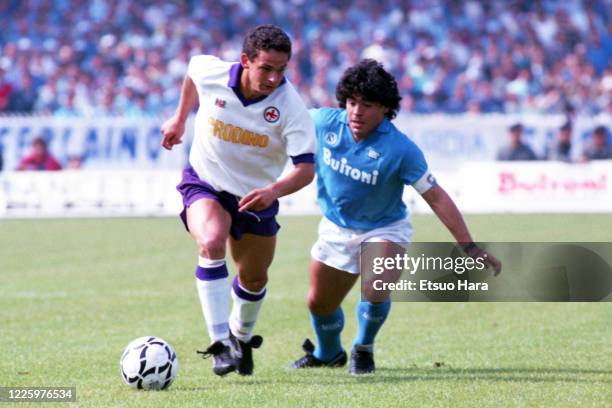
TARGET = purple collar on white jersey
(234,83)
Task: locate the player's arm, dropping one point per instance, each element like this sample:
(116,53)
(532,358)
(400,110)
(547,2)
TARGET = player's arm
(300,176)
(300,135)
(446,210)
(173,129)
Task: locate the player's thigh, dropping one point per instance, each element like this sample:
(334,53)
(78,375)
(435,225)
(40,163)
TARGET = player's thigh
(381,250)
(328,287)
(253,255)
(209,225)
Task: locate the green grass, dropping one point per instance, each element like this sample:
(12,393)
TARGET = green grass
(73,293)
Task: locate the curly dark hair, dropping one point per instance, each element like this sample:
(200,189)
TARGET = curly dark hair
(264,38)
(369,80)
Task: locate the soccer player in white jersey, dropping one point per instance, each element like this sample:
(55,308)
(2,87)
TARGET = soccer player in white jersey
(363,163)
(250,120)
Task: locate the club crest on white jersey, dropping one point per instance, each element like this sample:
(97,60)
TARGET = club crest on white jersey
(243,144)
(271,114)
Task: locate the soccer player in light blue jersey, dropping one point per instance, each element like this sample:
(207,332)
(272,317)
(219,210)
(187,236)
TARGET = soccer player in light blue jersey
(363,163)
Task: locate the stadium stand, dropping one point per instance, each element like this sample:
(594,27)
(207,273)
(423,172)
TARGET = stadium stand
(110,57)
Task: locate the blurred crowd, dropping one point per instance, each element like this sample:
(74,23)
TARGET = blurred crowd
(120,57)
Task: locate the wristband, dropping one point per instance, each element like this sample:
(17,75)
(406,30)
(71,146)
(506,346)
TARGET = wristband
(468,247)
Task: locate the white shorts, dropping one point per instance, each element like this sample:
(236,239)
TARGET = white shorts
(339,247)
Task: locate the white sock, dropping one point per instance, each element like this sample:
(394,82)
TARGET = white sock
(245,310)
(213,288)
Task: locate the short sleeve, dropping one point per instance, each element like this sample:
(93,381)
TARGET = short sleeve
(322,119)
(414,170)
(316,115)
(299,131)
(198,66)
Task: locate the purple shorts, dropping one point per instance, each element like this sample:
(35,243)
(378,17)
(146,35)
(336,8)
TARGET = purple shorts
(249,222)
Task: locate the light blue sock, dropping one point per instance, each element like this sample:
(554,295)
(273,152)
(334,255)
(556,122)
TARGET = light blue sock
(370,317)
(327,329)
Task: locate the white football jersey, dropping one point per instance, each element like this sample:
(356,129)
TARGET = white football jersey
(240,145)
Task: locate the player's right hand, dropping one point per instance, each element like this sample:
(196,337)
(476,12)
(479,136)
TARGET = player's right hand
(486,257)
(172,131)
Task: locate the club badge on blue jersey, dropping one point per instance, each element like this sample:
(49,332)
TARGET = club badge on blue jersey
(361,185)
(332,139)
(373,154)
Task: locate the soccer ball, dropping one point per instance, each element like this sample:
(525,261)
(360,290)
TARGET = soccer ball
(149,363)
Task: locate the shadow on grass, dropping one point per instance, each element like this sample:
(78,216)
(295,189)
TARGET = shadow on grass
(383,375)
(501,374)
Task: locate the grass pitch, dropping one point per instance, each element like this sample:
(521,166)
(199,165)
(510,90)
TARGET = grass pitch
(73,293)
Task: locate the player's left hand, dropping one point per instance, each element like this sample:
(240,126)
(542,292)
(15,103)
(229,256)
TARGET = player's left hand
(258,199)
(488,259)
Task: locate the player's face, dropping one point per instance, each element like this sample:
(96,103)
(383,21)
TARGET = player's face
(364,116)
(262,75)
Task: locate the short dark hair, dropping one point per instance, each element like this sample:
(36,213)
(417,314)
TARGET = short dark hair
(39,140)
(265,38)
(517,127)
(600,130)
(369,80)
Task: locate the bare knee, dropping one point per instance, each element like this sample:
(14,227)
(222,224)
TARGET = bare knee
(253,283)
(211,247)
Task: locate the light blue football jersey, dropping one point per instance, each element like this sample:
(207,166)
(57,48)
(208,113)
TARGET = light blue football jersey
(360,185)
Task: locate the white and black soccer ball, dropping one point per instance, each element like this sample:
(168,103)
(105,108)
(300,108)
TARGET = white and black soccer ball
(149,363)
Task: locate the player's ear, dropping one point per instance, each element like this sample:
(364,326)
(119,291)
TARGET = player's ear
(244,60)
